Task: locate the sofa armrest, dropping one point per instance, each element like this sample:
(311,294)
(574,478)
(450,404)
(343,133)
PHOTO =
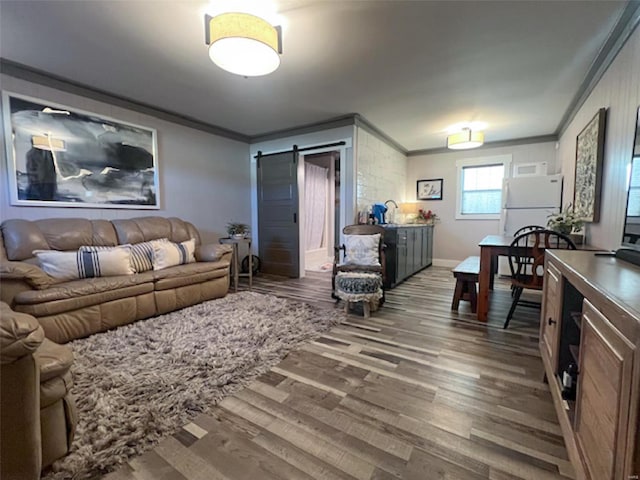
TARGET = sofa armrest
(213,252)
(31,274)
(20,334)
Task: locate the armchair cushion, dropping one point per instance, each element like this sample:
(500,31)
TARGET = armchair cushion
(362,249)
(20,335)
(53,360)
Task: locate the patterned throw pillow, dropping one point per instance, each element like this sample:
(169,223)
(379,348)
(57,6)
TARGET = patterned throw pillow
(169,254)
(75,265)
(361,249)
(141,253)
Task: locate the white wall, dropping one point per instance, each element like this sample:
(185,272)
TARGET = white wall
(619,91)
(381,171)
(454,240)
(203,178)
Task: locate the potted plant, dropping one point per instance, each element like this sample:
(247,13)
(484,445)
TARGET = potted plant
(237,230)
(567,221)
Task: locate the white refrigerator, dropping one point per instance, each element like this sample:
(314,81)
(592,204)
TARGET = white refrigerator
(527,201)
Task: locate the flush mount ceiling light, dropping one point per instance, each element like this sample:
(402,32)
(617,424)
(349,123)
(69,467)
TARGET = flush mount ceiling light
(243,44)
(465,140)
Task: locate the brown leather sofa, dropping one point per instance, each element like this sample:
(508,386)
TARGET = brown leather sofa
(37,412)
(73,309)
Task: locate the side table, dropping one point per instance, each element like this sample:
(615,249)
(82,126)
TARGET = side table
(235,262)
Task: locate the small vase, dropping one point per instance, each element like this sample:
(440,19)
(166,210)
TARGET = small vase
(237,236)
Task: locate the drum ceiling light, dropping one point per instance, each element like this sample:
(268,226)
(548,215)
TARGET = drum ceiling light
(465,139)
(243,44)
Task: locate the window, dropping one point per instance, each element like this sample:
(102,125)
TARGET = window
(480,187)
(633,208)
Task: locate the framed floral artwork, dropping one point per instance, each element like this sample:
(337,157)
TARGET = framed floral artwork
(589,160)
(429,189)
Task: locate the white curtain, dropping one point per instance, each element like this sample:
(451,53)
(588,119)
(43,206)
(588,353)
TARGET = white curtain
(315,199)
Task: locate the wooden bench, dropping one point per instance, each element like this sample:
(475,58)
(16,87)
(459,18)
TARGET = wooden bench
(466,274)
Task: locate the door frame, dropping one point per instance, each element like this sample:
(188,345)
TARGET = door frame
(345,177)
(302,207)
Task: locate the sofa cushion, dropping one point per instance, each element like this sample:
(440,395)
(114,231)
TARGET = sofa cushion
(21,238)
(81,288)
(103,233)
(64,305)
(86,264)
(169,254)
(66,233)
(189,274)
(143,229)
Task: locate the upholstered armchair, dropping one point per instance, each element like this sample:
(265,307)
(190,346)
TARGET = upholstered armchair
(37,412)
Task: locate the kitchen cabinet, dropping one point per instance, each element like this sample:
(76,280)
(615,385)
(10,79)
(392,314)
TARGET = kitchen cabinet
(409,249)
(591,316)
(549,331)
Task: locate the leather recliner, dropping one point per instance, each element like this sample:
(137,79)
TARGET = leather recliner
(37,412)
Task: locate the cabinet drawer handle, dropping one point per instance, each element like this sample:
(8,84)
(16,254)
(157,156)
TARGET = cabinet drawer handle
(551,322)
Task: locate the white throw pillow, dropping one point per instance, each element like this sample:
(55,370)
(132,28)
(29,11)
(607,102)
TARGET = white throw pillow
(83,264)
(141,253)
(362,249)
(169,254)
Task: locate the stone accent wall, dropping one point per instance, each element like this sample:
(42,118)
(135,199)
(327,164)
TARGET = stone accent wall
(381,171)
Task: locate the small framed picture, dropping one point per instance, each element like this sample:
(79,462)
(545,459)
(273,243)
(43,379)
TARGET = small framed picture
(429,189)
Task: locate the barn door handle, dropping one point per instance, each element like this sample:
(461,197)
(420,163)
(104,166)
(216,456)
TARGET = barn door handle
(551,321)
(295,218)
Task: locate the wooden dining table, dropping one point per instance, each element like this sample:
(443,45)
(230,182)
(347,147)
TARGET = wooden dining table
(491,247)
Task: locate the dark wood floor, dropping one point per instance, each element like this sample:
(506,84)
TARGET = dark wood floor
(414,392)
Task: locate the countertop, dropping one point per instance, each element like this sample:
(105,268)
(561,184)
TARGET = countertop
(403,225)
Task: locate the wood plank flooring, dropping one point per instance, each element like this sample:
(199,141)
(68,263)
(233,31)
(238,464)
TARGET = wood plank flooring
(414,392)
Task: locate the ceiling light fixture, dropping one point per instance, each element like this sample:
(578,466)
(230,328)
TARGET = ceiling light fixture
(465,140)
(243,44)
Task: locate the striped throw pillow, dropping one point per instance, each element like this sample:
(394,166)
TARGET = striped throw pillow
(75,265)
(169,254)
(141,253)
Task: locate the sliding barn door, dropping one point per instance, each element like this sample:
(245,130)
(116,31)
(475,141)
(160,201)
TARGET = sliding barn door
(278,214)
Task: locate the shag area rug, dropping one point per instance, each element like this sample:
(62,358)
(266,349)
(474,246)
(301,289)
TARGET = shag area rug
(142,382)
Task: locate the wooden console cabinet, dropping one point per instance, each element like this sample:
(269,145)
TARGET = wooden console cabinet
(591,315)
(408,250)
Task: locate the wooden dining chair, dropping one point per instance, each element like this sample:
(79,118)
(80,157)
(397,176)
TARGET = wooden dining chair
(528,228)
(520,231)
(526,262)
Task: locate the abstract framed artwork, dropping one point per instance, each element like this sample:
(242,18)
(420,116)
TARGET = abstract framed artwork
(63,157)
(429,189)
(589,160)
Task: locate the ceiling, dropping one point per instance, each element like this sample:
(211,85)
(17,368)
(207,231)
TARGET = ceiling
(411,68)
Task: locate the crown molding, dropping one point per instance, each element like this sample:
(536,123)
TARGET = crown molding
(500,143)
(621,32)
(375,131)
(335,122)
(40,77)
